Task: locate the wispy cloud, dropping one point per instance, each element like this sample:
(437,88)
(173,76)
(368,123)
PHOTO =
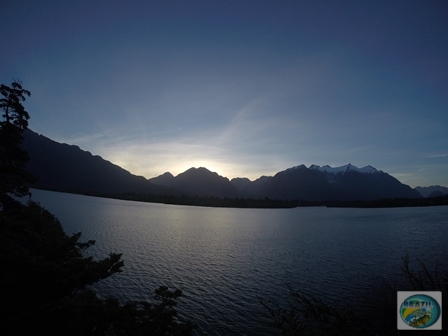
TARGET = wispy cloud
(437,156)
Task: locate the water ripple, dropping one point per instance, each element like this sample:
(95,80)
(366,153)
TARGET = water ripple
(224,259)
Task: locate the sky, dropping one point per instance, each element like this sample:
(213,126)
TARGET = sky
(244,88)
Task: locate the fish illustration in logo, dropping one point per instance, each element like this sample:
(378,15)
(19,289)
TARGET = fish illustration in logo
(420,318)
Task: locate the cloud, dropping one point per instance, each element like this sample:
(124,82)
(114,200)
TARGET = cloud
(437,156)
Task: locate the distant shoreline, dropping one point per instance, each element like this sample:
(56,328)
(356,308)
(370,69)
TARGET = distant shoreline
(263,203)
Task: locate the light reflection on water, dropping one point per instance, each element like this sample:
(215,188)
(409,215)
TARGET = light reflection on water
(223,259)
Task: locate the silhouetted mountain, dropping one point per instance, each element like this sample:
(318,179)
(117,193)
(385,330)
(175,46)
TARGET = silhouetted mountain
(427,191)
(297,183)
(325,183)
(248,188)
(240,183)
(67,168)
(199,182)
(354,185)
(435,194)
(165,179)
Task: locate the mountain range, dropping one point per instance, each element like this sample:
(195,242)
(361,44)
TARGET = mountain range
(63,167)
(315,183)
(68,168)
(432,191)
(199,182)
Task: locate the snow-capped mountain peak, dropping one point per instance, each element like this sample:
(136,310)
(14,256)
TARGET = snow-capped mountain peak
(343,169)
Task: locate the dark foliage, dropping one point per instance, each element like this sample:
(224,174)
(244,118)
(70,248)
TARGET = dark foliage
(14,178)
(13,111)
(45,284)
(308,315)
(424,279)
(305,314)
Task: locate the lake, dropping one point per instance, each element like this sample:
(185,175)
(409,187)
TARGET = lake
(224,259)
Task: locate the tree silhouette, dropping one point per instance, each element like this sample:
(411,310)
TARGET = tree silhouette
(14,178)
(13,111)
(45,284)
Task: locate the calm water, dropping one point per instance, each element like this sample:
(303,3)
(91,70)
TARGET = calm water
(223,259)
